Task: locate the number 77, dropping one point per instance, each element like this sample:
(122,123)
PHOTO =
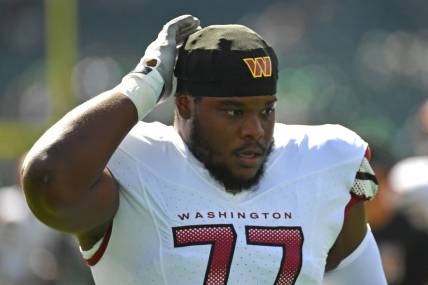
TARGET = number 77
(222,238)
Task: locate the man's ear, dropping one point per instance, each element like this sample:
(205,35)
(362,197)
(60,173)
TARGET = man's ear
(184,104)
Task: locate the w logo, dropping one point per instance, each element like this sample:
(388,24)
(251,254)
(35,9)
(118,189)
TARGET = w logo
(259,66)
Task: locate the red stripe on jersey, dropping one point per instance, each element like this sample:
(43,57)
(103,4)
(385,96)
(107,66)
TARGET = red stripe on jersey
(368,153)
(354,200)
(100,252)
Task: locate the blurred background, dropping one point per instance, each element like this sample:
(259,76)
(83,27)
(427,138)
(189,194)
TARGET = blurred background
(362,64)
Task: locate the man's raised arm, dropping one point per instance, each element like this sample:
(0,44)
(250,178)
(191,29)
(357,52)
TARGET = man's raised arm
(64,175)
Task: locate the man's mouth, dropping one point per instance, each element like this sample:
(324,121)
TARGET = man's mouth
(250,156)
(249,153)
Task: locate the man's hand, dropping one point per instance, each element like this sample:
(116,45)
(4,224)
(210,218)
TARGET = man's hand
(161,54)
(152,80)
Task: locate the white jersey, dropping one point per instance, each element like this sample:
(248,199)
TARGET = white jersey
(176,225)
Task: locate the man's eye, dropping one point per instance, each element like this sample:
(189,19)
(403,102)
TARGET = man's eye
(233,113)
(268,111)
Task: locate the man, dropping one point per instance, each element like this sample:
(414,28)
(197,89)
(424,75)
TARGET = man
(224,196)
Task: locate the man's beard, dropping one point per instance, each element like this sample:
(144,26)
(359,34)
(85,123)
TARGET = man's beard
(203,151)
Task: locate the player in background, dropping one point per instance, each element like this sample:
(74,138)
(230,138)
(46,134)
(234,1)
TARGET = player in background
(226,195)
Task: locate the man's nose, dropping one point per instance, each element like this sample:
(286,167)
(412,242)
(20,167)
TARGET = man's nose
(252,127)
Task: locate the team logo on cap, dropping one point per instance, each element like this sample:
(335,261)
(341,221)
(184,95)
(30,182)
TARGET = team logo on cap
(259,66)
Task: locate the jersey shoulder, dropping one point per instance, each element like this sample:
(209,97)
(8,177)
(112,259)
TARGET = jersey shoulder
(149,139)
(154,147)
(328,139)
(152,132)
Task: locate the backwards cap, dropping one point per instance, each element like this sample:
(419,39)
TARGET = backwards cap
(226,61)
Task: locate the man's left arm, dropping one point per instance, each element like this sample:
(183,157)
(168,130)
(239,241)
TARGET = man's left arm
(354,258)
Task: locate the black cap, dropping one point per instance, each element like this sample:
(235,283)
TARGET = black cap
(226,61)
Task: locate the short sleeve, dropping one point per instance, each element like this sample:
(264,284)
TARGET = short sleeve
(365,184)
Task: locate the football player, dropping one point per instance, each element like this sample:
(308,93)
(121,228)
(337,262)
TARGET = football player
(224,196)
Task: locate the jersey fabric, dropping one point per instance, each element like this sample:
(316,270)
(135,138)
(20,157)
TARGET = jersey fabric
(177,225)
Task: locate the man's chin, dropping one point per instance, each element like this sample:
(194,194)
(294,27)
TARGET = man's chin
(238,180)
(245,173)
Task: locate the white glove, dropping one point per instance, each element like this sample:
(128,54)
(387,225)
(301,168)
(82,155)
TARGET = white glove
(153,78)
(161,54)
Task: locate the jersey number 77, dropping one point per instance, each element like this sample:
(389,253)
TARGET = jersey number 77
(222,238)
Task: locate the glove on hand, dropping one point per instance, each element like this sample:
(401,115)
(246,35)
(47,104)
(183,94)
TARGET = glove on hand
(161,54)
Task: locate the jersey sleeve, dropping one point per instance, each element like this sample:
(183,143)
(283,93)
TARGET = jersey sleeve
(365,184)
